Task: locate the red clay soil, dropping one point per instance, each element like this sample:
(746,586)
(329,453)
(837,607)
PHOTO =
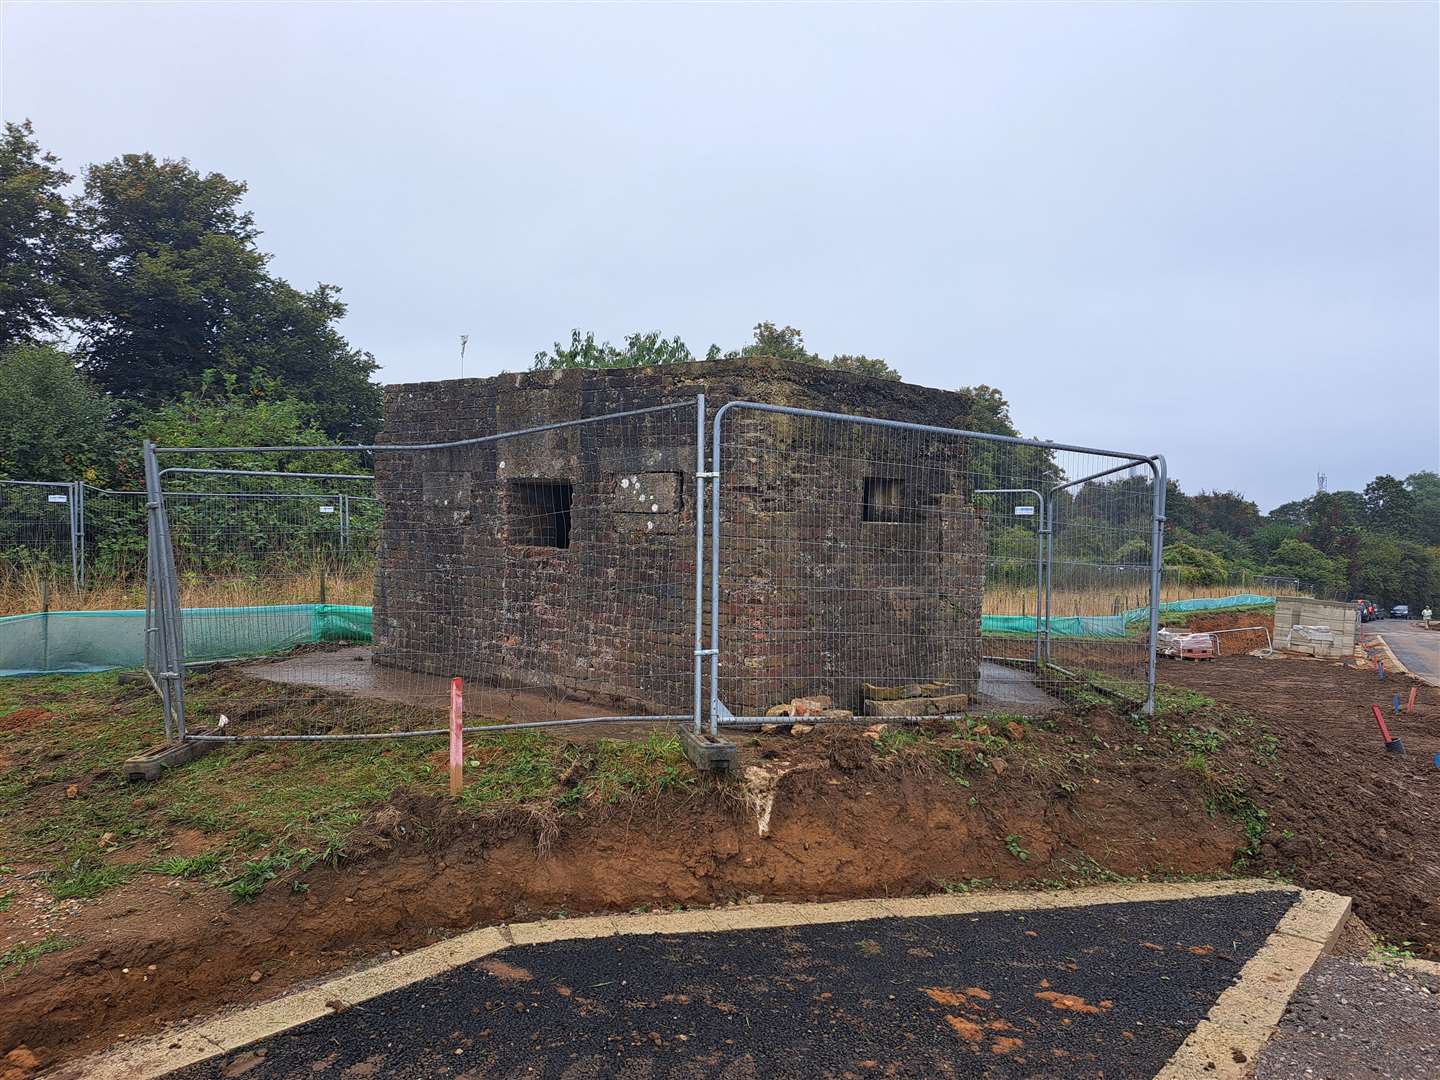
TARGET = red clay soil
(842,827)
(1240,640)
(1344,814)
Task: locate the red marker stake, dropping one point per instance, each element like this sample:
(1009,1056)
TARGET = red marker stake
(1380,719)
(1410,705)
(458,735)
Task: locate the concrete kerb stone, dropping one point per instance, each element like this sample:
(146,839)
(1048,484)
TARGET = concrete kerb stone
(1304,929)
(1393,666)
(1226,1043)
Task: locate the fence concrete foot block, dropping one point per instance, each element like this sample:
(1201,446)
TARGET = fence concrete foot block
(709,753)
(150,764)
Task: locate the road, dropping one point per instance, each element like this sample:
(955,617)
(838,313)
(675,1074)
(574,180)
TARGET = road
(1415,647)
(1105,990)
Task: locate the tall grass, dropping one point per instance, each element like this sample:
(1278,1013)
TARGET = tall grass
(30,589)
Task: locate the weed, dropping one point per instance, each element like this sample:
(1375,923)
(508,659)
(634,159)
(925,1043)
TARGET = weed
(84,879)
(1234,799)
(1265,748)
(18,956)
(194,866)
(893,740)
(7,900)
(1012,845)
(255,874)
(1388,952)
(1199,740)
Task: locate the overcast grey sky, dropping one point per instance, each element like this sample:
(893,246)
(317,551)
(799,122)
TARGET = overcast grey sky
(1206,230)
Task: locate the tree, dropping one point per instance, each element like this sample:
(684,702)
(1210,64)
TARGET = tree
(1425,489)
(39,241)
(1297,559)
(259,411)
(1194,566)
(54,425)
(1225,511)
(788,343)
(641,350)
(1390,507)
(178,287)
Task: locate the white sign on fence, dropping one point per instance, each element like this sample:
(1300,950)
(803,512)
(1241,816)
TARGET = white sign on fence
(1024,511)
(58,498)
(327,509)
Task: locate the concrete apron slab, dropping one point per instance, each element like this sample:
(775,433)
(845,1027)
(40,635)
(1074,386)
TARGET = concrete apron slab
(1232,1033)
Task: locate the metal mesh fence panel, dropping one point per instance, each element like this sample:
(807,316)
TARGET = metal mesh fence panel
(552,570)
(36,529)
(884,569)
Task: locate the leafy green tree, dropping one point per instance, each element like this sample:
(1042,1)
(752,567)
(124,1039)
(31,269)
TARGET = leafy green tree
(39,242)
(1425,491)
(1297,559)
(226,411)
(788,343)
(54,425)
(1390,507)
(178,287)
(1266,539)
(1195,566)
(640,350)
(1228,512)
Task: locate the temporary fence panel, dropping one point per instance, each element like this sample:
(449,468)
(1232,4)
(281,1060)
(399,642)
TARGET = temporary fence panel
(553,569)
(855,562)
(39,530)
(565,572)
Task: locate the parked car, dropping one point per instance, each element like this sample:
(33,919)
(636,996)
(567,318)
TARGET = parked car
(1400,611)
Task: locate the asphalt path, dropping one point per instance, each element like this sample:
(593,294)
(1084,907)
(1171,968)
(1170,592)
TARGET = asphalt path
(1415,647)
(1108,990)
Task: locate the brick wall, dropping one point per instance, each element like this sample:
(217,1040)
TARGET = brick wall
(815,598)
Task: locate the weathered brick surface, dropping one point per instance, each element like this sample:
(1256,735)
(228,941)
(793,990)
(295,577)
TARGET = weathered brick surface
(814,598)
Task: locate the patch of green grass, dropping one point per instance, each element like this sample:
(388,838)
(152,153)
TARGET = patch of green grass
(84,880)
(314,794)
(896,739)
(1170,701)
(512,769)
(29,953)
(7,901)
(193,866)
(1013,845)
(623,770)
(256,873)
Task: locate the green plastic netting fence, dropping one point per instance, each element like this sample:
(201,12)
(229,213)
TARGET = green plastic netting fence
(74,642)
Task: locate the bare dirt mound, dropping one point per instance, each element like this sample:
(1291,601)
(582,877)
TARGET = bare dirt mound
(842,826)
(1342,813)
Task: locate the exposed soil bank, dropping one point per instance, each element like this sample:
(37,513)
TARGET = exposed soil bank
(842,826)
(1343,814)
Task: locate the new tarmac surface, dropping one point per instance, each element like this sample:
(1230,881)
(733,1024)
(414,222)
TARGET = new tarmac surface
(1103,990)
(1415,646)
